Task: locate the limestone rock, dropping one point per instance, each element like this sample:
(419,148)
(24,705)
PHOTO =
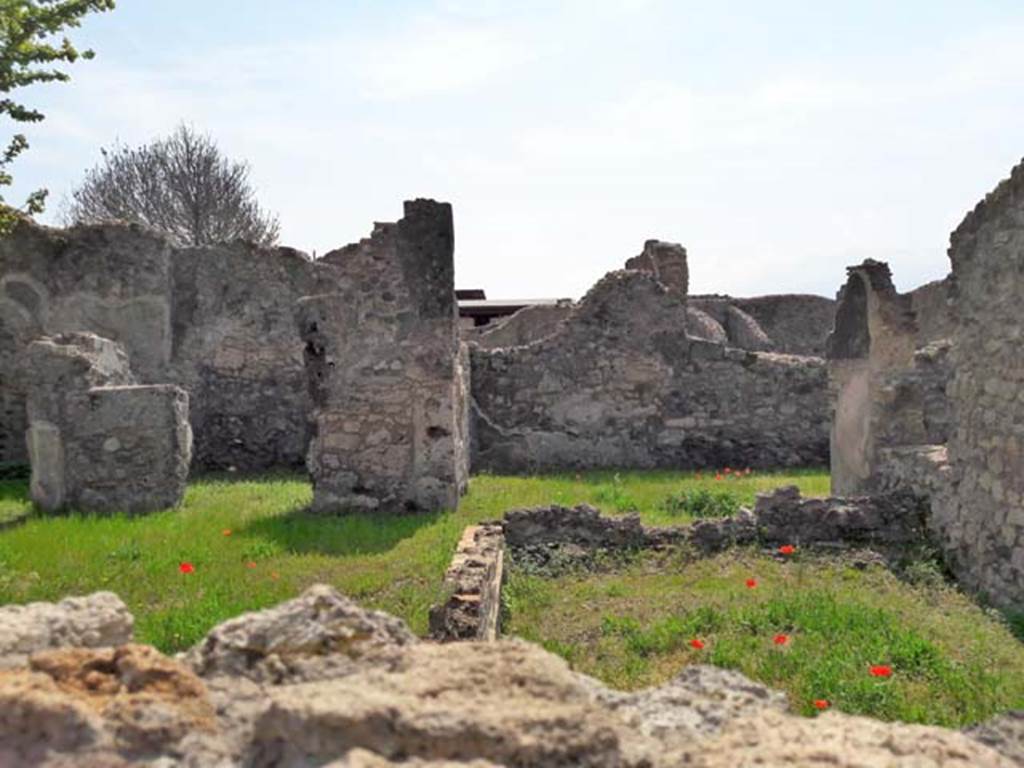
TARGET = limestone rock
(100,619)
(1004,733)
(509,703)
(775,740)
(320,634)
(102,706)
(698,702)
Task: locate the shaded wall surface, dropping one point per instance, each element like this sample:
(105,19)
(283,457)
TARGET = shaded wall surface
(983,522)
(218,321)
(620,384)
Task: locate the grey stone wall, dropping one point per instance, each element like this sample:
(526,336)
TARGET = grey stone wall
(983,525)
(237,352)
(219,322)
(788,323)
(96,440)
(385,373)
(887,377)
(526,326)
(621,385)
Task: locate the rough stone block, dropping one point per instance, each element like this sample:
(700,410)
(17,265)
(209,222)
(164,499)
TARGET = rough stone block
(96,441)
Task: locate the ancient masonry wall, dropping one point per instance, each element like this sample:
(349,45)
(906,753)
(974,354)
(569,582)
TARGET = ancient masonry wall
(219,322)
(385,371)
(620,384)
(982,524)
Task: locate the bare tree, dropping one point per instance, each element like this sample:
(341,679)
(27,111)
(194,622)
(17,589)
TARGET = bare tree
(181,185)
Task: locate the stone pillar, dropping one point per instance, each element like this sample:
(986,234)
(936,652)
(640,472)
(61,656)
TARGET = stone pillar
(96,440)
(386,373)
(873,340)
(667,262)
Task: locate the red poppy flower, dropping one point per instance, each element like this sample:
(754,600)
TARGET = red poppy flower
(697,643)
(718,476)
(821,704)
(780,639)
(226,532)
(186,568)
(881,670)
(250,564)
(751,583)
(787,549)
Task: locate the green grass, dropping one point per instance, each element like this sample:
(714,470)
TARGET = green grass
(394,564)
(953,663)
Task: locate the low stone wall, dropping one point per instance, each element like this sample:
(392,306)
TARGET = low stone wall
(474,579)
(526,326)
(553,538)
(621,385)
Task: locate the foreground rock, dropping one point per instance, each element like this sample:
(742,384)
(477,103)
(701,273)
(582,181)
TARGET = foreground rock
(318,681)
(101,619)
(319,635)
(105,707)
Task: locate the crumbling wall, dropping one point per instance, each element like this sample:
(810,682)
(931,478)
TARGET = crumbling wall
(526,326)
(621,385)
(217,321)
(982,525)
(888,379)
(385,372)
(798,324)
(96,440)
(789,323)
(112,280)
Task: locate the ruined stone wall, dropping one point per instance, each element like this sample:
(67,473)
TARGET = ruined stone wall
(621,385)
(798,324)
(112,280)
(217,321)
(888,377)
(526,326)
(788,323)
(236,350)
(385,371)
(983,525)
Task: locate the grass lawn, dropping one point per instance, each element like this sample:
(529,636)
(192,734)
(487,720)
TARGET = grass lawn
(252,545)
(952,663)
(274,549)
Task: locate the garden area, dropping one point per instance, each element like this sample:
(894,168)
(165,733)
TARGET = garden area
(829,631)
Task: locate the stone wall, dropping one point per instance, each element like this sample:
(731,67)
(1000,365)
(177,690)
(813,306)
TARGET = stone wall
(983,523)
(385,372)
(888,375)
(621,385)
(526,326)
(217,321)
(794,324)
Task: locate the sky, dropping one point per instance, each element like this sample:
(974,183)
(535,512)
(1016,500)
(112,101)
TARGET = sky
(778,141)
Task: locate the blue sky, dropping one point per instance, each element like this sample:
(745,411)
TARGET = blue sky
(778,141)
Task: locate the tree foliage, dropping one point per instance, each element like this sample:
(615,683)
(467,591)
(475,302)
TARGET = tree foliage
(30,41)
(180,185)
